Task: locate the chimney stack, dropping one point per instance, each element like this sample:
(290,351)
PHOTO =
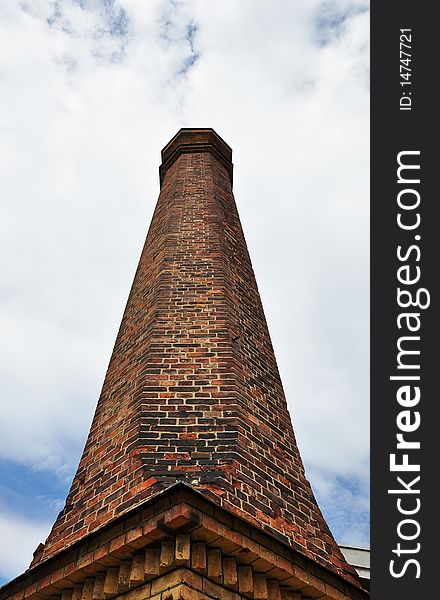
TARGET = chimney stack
(191,481)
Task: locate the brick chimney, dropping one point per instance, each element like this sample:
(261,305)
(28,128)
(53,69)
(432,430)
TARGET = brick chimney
(191,484)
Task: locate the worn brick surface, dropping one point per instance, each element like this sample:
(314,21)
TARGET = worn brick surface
(192,390)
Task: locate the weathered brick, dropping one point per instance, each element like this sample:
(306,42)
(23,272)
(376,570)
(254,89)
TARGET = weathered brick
(260,587)
(137,573)
(77,591)
(87,592)
(183,549)
(111,582)
(124,576)
(198,557)
(245,580)
(98,588)
(152,560)
(215,567)
(67,594)
(230,577)
(193,390)
(273,589)
(290,595)
(167,555)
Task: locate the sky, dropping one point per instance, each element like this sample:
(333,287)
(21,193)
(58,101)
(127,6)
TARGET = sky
(90,91)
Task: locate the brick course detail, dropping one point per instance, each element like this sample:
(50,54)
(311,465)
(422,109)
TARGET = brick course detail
(192,391)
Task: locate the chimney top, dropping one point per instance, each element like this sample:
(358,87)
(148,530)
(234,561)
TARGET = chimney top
(191,140)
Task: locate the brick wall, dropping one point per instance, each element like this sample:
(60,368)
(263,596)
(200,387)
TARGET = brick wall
(192,390)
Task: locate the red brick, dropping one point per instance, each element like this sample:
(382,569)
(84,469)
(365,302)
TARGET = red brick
(193,354)
(198,557)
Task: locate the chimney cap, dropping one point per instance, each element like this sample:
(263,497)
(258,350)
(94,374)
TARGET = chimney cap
(191,140)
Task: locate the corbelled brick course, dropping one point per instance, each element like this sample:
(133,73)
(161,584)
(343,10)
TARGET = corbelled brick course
(146,551)
(192,391)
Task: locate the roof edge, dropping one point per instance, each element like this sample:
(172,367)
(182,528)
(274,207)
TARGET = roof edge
(58,558)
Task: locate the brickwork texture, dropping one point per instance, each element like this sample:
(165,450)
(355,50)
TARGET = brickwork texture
(193,391)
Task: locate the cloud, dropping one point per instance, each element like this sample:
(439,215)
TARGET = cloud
(20,536)
(91,91)
(345,502)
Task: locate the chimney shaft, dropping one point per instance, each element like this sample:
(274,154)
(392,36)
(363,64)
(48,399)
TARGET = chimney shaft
(192,392)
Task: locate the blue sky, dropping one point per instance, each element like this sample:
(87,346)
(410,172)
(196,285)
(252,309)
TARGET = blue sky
(91,92)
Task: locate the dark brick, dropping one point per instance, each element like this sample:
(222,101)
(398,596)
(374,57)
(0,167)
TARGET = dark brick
(193,357)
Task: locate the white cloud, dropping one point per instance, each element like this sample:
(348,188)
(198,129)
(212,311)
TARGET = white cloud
(346,506)
(20,536)
(91,91)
